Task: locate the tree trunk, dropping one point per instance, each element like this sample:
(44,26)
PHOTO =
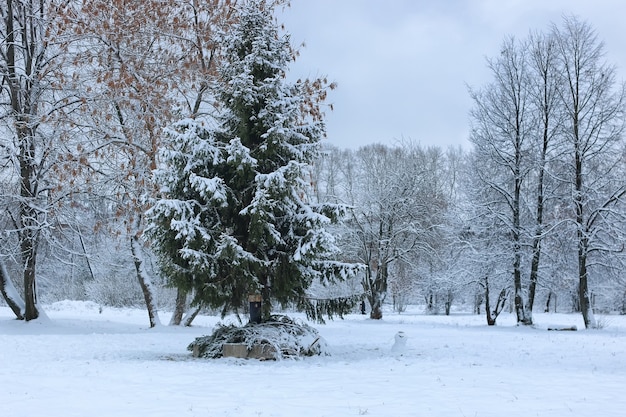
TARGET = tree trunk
(491,321)
(517,246)
(28,246)
(583,242)
(478,300)
(190,316)
(532,286)
(378,292)
(519,299)
(376,312)
(180,308)
(430,303)
(536,246)
(500,303)
(30,291)
(583,293)
(10,293)
(547,309)
(144,281)
(24,114)
(449,299)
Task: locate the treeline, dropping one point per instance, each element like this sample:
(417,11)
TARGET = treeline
(532,214)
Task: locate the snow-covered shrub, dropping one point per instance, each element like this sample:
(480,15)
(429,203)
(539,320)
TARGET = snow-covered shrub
(117,289)
(289,338)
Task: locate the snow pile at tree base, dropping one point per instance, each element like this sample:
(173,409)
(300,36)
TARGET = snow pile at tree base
(281,335)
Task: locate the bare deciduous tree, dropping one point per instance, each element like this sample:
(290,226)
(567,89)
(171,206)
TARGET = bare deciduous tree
(544,98)
(594,113)
(34,100)
(503,126)
(394,215)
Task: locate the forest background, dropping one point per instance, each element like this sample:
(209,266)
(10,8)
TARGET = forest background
(531,217)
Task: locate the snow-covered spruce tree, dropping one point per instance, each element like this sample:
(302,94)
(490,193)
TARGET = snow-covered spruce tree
(233,219)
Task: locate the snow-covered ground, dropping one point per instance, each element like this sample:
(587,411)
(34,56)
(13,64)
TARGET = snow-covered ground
(83,362)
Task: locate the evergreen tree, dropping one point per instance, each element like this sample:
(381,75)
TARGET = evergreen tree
(234,218)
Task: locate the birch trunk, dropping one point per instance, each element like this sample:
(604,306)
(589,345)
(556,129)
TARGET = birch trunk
(10,293)
(144,281)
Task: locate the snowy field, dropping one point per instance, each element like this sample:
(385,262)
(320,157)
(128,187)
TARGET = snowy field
(83,362)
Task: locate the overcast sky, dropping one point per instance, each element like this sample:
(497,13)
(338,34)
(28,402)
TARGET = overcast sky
(403,66)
